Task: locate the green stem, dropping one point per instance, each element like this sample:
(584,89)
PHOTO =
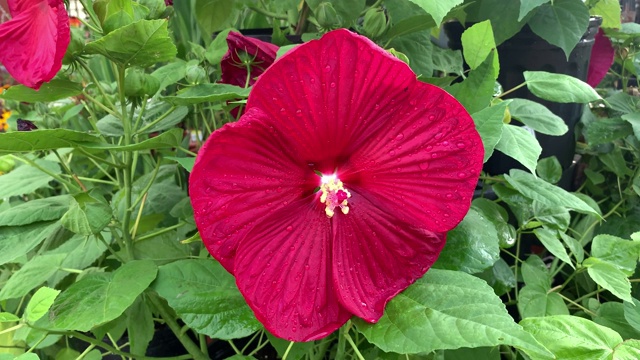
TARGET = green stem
(128,162)
(154,122)
(100,105)
(98,85)
(160,232)
(55,176)
(354,346)
(512,90)
(268,13)
(375,5)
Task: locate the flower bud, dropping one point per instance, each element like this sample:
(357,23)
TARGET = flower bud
(326,16)
(375,22)
(76,46)
(139,84)
(196,74)
(6,164)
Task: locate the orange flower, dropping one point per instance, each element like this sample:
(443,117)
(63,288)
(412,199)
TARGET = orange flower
(3,120)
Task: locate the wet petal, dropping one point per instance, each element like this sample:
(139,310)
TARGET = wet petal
(329,93)
(376,254)
(602,56)
(283,268)
(243,172)
(34,41)
(424,161)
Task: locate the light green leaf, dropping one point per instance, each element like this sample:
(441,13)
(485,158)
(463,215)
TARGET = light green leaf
(561,23)
(572,337)
(612,315)
(520,144)
(471,247)
(53,90)
(171,73)
(205,296)
(474,317)
(217,48)
(35,272)
(489,123)
(550,195)
(100,298)
(553,244)
(549,169)
(534,301)
(51,208)
(634,120)
(632,313)
(535,273)
(476,91)
(559,87)
(88,214)
(628,350)
(15,241)
(619,252)
(437,9)
(40,303)
(215,15)
(610,11)
(207,93)
(168,139)
(537,116)
(45,139)
(142,43)
(186,162)
(477,44)
(527,5)
(8,317)
(26,179)
(609,277)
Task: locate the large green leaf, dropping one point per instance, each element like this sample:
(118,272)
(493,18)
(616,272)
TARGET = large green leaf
(622,253)
(418,49)
(612,315)
(53,90)
(45,139)
(205,296)
(559,87)
(632,313)
(471,247)
(99,298)
(561,23)
(88,214)
(552,243)
(207,93)
(489,123)
(168,139)
(447,310)
(550,195)
(477,43)
(527,5)
(215,15)
(534,301)
(81,251)
(537,116)
(607,130)
(410,25)
(521,145)
(476,91)
(572,337)
(437,9)
(609,277)
(610,12)
(51,208)
(35,272)
(502,14)
(634,120)
(142,43)
(15,241)
(40,303)
(140,326)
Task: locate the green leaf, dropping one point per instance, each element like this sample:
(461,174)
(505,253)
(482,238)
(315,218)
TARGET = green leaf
(489,123)
(215,15)
(537,116)
(474,317)
(26,179)
(498,216)
(168,139)
(520,144)
(45,139)
(500,277)
(477,43)
(81,252)
(410,25)
(552,217)
(296,352)
(527,5)
(502,14)
(547,194)
(553,244)
(8,317)
(15,241)
(561,23)
(535,273)
(612,315)
(549,169)
(186,162)
(634,120)
(437,9)
(534,301)
(614,161)
(40,303)
(609,277)
(206,93)
(205,296)
(51,208)
(559,87)
(619,252)
(471,247)
(418,49)
(53,90)
(607,130)
(35,272)
(447,60)
(632,313)
(628,350)
(140,326)
(100,298)
(87,215)
(609,10)
(217,48)
(572,337)
(142,43)
(476,91)
(171,73)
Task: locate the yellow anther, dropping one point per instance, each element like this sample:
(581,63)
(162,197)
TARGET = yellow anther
(333,195)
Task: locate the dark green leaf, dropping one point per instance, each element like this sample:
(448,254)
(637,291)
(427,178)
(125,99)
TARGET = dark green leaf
(51,208)
(561,23)
(207,93)
(632,313)
(418,48)
(437,9)
(489,123)
(537,116)
(297,351)
(476,91)
(410,25)
(500,277)
(81,252)
(45,139)
(536,301)
(88,214)
(171,73)
(612,315)
(634,120)
(140,326)
(35,272)
(502,14)
(549,169)
(552,217)
(527,5)
(215,15)
(15,241)
(53,90)
(168,139)
(606,130)
(552,243)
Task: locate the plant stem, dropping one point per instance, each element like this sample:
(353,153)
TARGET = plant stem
(154,122)
(128,162)
(268,13)
(512,90)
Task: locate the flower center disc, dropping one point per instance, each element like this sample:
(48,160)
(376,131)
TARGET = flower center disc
(334,195)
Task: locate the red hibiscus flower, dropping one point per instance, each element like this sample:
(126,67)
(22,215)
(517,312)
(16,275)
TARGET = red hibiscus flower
(334,190)
(259,55)
(34,41)
(602,56)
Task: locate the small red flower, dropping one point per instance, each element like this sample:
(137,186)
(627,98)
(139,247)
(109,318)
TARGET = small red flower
(333,192)
(245,51)
(602,56)
(34,41)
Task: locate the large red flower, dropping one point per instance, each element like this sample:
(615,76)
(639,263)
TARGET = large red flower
(399,161)
(244,49)
(34,41)
(602,57)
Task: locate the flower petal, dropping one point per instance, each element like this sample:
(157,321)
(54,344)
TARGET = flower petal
(424,162)
(283,269)
(243,172)
(233,72)
(602,57)
(376,255)
(329,102)
(35,41)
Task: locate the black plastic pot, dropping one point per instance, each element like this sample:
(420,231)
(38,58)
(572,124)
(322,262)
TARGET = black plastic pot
(526,51)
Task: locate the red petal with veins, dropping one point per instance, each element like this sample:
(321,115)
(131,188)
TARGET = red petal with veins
(602,56)
(233,71)
(407,152)
(34,40)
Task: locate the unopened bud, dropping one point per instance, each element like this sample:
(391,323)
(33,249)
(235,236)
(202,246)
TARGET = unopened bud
(375,22)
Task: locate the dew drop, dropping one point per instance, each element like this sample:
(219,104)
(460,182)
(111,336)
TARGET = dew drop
(282,110)
(289,228)
(327,68)
(460,145)
(333,85)
(424,166)
(364,304)
(392,152)
(462,175)
(445,143)
(432,117)
(298,112)
(449,196)
(434,155)
(400,136)
(438,136)
(312,80)
(377,106)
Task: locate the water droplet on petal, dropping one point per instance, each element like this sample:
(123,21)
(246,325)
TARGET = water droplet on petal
(327,68)
(460,145)
(424,166)
(289,228)
(298,112)
(392,152)
(400,136)
(432,117)
(377,106)
(438,136)
(462,175)
(333,85)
